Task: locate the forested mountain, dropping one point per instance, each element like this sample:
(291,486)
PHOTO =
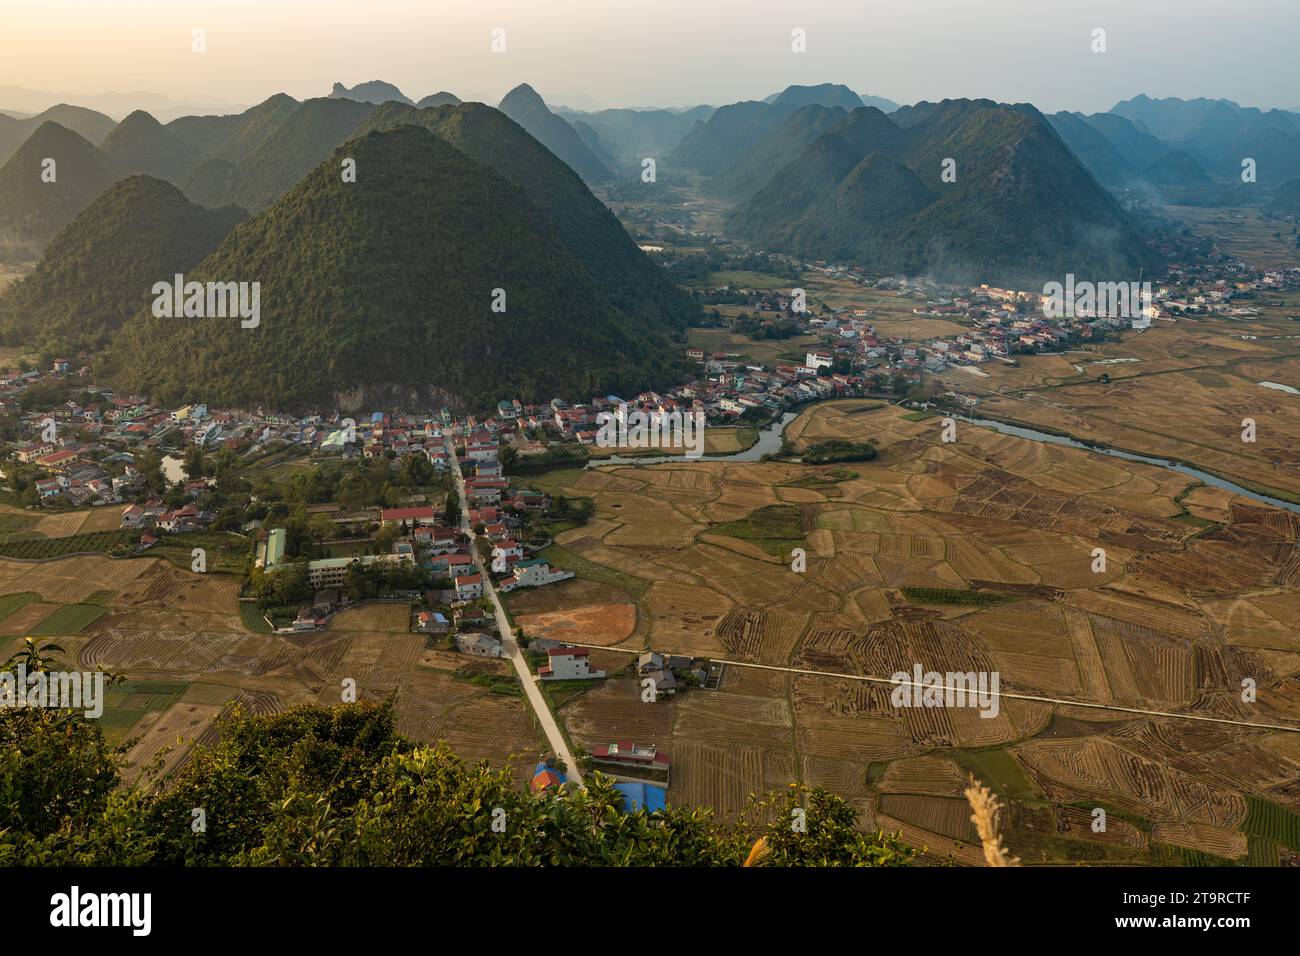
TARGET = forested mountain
(382,289)
(526,107)
(871,190)
(97,272)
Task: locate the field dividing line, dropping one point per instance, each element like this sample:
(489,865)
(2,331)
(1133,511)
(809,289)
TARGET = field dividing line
(1006,694)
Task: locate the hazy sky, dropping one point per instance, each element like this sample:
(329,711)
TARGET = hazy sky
(661,52)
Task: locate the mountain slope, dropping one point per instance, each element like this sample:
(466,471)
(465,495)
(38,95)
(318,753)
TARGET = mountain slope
(823,94)
(442,98)
(633,135)
(232,137)
(141,145)
(526,107)
(89,124)
(1022,208)
(729,135)
(97,272)
(1093,148)
(381,290)
(590,232)
(32,211)
(801,128)
(291,150)
(375,91)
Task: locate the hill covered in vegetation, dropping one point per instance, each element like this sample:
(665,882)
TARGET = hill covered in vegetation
(338,786)
(97,272)
(383,289)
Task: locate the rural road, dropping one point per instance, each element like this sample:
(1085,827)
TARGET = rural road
(534,694)
(999,694)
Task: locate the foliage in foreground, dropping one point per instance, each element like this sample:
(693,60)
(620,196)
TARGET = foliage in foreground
(339,787)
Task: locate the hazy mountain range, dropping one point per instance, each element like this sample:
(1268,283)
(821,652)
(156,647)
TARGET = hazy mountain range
(499,198)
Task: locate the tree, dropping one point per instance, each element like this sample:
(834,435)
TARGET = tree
(338,786)
(320,527)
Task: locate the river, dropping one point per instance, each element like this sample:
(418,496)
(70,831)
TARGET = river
(1021,431)
(769,442)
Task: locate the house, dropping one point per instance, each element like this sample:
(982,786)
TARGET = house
(450,565)
(567,663)
(507,549)
(469,587)
(47,487)
(531,574)
(630,754)
(649,661)
(413,516)
(662,681)
(544,778)
(309,619)
(470,618)
(480,645)
(432,622)
(132,517)
(819,359)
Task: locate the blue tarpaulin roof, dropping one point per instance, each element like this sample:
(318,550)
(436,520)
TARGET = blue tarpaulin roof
(638,795)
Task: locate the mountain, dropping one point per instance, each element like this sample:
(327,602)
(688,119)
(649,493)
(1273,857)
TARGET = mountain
(90,125)
(1176,168)
(1286,202)
(31,210)
(525,107)
(376,91)
(382,289)
(629,136)
(1220,134)
(97,272)
(830,94)
(1137,147)
(590,232)
(1093,148)
(442,98)
(1021,210)
(592,140)
(729,135)
(234,136)
(824,94)
(800,128)
(290,150)
(141,145)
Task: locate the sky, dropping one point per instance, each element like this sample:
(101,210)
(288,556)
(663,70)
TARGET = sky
(592,53)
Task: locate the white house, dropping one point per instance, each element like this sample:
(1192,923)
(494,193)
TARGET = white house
(567,663)
(532,574)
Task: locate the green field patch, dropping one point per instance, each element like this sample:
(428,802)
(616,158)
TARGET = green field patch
(1272,821)
(561,557)
(68,619)
(965,598)
(998,770)
(13,602)
(127,702)
(774,528)
(91,542)
(253,618)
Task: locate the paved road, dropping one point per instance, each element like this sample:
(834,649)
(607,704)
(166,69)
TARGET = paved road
(526,677)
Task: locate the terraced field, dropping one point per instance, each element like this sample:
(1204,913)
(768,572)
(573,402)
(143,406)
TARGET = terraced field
(973,557)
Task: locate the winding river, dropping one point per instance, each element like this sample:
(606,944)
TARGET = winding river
(769,442)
